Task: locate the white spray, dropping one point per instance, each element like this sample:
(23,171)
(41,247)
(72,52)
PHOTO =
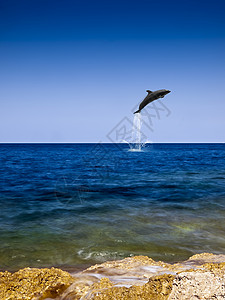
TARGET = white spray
(136,133)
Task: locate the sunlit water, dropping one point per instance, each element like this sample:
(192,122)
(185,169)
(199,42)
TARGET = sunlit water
(80,204)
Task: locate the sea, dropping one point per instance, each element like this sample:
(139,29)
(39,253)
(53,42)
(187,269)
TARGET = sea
(75,205)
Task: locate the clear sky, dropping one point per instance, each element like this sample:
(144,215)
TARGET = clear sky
(71,70)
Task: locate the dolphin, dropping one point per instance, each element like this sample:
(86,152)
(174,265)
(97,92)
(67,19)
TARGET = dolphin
(151,97)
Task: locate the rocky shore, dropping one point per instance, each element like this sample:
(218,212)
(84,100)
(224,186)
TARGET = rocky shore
(202,276)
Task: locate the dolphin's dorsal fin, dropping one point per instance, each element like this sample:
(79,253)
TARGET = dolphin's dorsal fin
(149,91)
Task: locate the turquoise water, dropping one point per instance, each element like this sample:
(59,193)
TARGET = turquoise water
(77,204)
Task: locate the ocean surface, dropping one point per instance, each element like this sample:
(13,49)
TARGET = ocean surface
(73,205)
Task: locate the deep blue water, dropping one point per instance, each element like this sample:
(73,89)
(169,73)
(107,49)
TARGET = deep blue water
(79,204)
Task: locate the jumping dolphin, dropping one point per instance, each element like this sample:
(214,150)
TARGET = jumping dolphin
(151,97)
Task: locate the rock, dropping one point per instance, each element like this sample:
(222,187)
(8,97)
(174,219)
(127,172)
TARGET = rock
(198,285)
(34,284)
(157,288)
(202,276)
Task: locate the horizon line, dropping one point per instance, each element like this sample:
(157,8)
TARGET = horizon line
(3,143)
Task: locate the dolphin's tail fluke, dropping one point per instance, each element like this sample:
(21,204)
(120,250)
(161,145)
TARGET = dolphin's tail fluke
(137,111)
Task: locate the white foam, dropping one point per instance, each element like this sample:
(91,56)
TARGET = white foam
(152,269)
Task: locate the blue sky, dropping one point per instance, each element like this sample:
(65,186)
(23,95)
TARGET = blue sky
(70,71)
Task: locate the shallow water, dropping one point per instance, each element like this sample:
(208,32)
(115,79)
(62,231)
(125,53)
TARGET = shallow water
(79,204)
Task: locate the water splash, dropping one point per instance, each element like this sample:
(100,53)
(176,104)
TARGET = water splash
(137,140)
(136,144)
